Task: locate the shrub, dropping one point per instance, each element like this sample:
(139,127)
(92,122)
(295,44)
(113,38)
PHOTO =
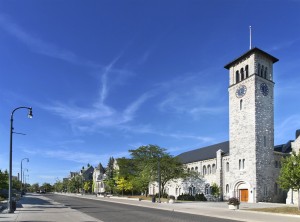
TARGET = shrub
(200,197)
(233,201)
(186,197)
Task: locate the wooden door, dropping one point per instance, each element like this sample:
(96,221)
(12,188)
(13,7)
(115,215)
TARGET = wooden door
(244,195)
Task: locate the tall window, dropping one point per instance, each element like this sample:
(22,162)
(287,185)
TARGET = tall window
(265,141)
(266,71)
(247,71)
(208,169)
(241,164)
(227,188)
(258,69)
(275,188)
(262,71)
(242,74)
(196,169)
(241,104)
(237,77)
(214,168)
(227,167)
(265,190)
(204,170)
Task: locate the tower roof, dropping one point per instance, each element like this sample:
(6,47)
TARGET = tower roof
(251,51)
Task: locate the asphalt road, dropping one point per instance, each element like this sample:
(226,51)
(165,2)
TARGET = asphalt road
(115,212)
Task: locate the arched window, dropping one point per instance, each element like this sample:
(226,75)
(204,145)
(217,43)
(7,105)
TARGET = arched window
(196,169)
(227,188)
(266,71)
(189,169)
(227,167)
(204,170)
(214,168)
(262,71)
(208,169)
(247,71)
(240,164)
(243,165)
(207,189)
(241,104)
(258,69)
(242,74)
(237,77)
(192,190)
(192,169)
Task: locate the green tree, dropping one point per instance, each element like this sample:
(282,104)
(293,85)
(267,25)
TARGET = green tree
(88,186)
(34,187)
(16,184)
(215,190)
(110,181)
(58,186)
(47,187)
(152,162)
(74,184)
(289,177)
(3,179)
(123,185)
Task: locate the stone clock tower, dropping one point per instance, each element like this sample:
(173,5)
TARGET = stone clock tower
(251,126)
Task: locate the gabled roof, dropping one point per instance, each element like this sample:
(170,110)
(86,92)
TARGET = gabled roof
(204,153)
(100,168)
(251,51)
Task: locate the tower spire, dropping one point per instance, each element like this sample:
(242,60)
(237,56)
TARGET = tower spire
(250,37)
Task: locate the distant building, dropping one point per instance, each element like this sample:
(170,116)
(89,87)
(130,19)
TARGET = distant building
(98,179)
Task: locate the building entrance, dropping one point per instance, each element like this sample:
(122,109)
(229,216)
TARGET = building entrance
(244,195)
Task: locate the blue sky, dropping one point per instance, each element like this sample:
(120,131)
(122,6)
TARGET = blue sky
(104,77)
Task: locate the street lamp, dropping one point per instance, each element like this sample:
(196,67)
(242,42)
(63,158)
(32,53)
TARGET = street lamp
(10,210)
(22,171)
(25,169)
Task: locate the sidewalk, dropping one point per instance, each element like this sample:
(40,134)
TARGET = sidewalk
(33,207)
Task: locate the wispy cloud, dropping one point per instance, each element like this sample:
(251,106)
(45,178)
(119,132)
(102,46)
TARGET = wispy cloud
(197,100)
(287,128)
(39,46)
(75,156)
(283,45)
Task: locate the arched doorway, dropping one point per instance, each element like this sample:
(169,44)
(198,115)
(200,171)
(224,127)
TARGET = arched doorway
(242,191)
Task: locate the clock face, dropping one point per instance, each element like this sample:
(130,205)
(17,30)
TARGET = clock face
(241,91)
(264,89)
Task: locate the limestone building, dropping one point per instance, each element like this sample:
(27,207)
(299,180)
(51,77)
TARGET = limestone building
(247,166)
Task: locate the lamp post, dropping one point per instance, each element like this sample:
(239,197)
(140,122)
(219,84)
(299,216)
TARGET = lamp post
(10,210)
(159,179)
(22,171)
(25,169)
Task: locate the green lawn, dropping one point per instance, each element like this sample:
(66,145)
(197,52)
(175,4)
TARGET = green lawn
(281,210)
